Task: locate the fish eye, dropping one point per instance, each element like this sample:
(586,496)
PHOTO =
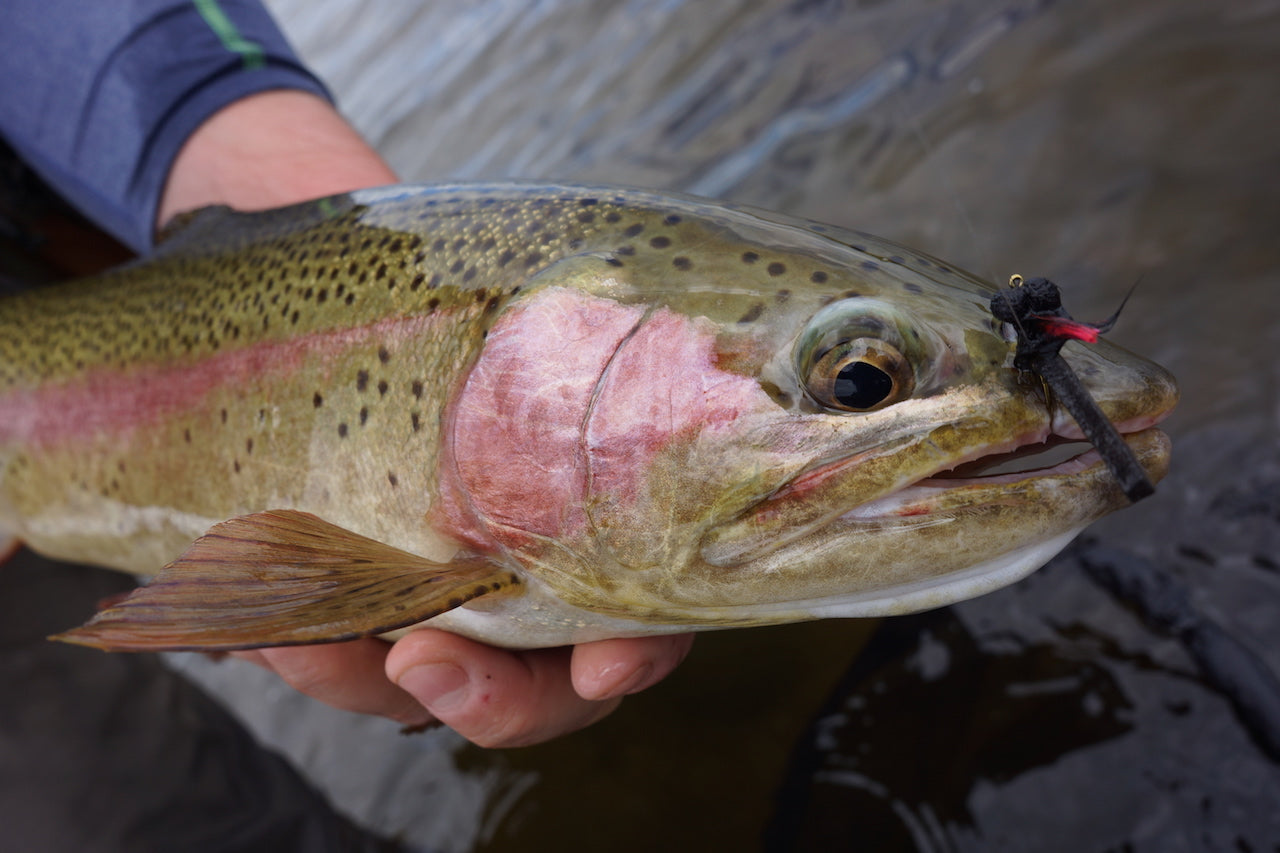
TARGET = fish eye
(860,375)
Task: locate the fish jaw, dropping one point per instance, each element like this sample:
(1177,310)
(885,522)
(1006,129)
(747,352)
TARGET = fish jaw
(966,537)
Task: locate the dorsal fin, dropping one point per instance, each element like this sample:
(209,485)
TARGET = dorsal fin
(218,227)
(190,221)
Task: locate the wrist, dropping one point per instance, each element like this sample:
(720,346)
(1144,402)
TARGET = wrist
(267,150)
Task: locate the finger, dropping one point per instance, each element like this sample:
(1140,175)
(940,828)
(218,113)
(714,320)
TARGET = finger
(492,697)
(615,668)
(351,676)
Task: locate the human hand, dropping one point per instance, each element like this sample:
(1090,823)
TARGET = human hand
(493,697)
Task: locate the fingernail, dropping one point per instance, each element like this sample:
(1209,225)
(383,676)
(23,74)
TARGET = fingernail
(636,681)
(440,686)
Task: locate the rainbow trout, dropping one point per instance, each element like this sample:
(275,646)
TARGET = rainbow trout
(536,416)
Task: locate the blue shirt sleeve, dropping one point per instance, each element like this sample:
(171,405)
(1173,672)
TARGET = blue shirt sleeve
(97,97)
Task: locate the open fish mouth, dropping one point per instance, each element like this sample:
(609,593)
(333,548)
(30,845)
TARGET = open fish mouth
(1048,456)
(1012,475)
(1044,467)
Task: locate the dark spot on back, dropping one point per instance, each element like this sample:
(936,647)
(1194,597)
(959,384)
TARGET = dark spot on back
(416,388)
(682,263)
(753,313)
(364,415)
(819,277)
(671,220)
(383,355)
(777,269)
(782,296)
(870,265)
(660,242)
(392,479)
(317,400)
(362,380)
(912,287)
(633,230)
(342,430)
(750,257)
(382,387)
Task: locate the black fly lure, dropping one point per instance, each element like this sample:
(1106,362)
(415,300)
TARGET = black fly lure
(1034,308)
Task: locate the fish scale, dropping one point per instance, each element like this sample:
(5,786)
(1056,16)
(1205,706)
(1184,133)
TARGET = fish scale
(585,411)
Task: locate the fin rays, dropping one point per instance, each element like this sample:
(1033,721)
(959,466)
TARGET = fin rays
(285,577)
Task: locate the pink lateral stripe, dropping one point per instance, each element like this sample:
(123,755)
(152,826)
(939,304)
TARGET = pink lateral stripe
(116,402)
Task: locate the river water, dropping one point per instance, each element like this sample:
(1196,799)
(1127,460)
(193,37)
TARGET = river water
(1098,143)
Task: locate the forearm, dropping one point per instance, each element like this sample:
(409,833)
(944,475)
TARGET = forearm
(267,150)
(98,98)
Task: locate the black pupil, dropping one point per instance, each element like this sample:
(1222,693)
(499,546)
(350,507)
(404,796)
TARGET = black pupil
(860,385)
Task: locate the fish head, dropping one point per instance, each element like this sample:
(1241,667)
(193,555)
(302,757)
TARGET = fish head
(747,419)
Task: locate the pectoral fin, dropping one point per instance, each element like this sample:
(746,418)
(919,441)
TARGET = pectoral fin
(280,578)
